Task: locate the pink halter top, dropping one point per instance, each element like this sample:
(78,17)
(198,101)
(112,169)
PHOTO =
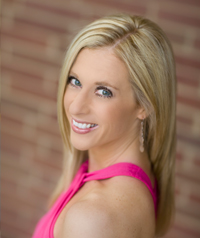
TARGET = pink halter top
(45,227)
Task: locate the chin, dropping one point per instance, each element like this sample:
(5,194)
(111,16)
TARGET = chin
(80,145)
(81,148)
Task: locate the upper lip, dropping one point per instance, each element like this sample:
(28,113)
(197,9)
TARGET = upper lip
(82,122)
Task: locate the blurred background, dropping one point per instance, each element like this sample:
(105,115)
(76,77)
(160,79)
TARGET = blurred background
(34,38)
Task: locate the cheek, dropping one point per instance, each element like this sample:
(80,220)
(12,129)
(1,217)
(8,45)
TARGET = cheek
(117,115)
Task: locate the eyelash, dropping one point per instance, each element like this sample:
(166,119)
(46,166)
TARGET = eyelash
(98,88)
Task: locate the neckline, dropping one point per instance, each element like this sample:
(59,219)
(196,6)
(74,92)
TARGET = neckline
(118,166)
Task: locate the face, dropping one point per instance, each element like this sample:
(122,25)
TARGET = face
(99,101)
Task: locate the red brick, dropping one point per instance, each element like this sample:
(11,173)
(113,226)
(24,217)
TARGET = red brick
(135,7)
(186,20)
(31,85)
(11,144)
(31,165)
(40,25)
(191,178)
(10,69)
(195,198)
(197,162)
(179,156)
(194,82)
(175,37)
(188,232)
(184,120)
(15,34)
(189,2)
(186,61)
(191,102)
(57,10)
(189,140)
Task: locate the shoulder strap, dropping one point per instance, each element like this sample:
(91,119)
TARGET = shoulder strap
(123,169)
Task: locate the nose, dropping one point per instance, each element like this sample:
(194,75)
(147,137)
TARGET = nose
(80,103)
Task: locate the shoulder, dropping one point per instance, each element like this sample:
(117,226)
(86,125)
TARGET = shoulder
(122,207)
(134,203)
(131,191)
(88,219)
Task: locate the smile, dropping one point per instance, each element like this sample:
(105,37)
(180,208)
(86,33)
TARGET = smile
(82,128)
(83,125)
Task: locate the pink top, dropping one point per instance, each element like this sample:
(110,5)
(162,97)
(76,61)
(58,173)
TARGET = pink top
(45,227)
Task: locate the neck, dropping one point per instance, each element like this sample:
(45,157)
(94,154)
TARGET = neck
(113,153)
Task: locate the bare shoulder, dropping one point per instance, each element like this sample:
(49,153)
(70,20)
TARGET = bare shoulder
(88,219)
(121,207)
(135,204)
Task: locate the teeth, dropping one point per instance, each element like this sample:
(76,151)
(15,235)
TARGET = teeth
(83,126)
(75,123)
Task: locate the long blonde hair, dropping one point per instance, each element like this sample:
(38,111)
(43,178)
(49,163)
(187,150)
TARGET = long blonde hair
(147,53)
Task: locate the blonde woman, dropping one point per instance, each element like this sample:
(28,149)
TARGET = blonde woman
(116,111)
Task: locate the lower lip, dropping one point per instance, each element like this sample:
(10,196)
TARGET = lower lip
(82,131)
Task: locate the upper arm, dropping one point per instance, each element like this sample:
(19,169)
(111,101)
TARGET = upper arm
(129,215)
(88,221)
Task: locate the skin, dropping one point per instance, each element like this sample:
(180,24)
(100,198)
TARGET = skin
(111,207)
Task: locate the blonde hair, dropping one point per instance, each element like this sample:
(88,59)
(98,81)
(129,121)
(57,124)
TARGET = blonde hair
(147,53)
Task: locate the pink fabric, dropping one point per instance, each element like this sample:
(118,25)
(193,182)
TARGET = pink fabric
(45,227)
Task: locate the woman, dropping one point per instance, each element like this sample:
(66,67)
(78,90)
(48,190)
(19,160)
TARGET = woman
(116,111)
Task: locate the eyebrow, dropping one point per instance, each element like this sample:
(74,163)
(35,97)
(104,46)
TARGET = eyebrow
(104,83)
(100,83)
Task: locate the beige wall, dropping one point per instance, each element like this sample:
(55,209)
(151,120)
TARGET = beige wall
(35,35)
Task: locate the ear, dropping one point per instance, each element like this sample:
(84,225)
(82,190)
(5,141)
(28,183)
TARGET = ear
(141,113)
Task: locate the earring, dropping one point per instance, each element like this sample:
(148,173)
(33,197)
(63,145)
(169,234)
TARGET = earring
(142,136)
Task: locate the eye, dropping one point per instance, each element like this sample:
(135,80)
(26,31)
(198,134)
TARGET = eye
(104,92)
(74,82)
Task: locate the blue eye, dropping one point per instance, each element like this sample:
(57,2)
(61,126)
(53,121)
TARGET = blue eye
(101,91)
(104,92)
(74,82)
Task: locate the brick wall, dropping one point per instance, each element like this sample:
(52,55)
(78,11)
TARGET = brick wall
(35,35)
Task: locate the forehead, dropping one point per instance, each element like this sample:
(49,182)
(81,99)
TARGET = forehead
(100,64)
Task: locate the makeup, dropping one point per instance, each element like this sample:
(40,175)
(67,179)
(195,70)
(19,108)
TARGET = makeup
(85,126)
